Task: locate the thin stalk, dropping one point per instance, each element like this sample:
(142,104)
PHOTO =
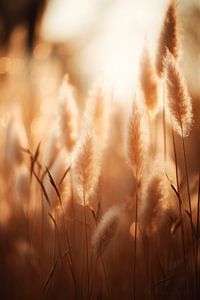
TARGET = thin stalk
(106,277)
(73,209)
(145,241)
(104,267)
(197,242)
(189,202)
(66,236)
(164,125)
(135,245)
(42,194)
(152,138)
(42,233)
(188,189)
(70,260)
(150,265)
(57,245)
(55,239)
(82,264)
(86,242)
(158,255)
(93,278)
(28,248)
(178,189)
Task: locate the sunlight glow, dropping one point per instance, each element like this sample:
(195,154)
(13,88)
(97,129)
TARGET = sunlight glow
(114,39)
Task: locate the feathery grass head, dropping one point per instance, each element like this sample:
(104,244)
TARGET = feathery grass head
(97,112)
(106,230)
(169,37)
(86,166)
(68,114)
(148,79)
(178,99)
(153,202)
(137,141)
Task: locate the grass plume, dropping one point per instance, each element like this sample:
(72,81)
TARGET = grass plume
(169,37)
(178,99)
(148,79)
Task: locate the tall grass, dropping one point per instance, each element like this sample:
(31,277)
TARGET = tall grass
(89,208)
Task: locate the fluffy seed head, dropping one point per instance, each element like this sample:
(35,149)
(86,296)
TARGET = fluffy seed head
(106,230)
(86,166)
(153,203)
(136,142)
(148,79)
(97,112)
(169,37)
(178,99)
(68,114)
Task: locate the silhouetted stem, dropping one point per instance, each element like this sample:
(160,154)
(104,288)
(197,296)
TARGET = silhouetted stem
(197,242)
(86,243)
(164,125)
(178,189)
(135,244)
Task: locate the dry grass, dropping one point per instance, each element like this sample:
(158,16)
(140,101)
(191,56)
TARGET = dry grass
(89,209)
(169,37)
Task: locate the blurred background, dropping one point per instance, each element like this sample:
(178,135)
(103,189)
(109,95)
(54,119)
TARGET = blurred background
(91,40)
